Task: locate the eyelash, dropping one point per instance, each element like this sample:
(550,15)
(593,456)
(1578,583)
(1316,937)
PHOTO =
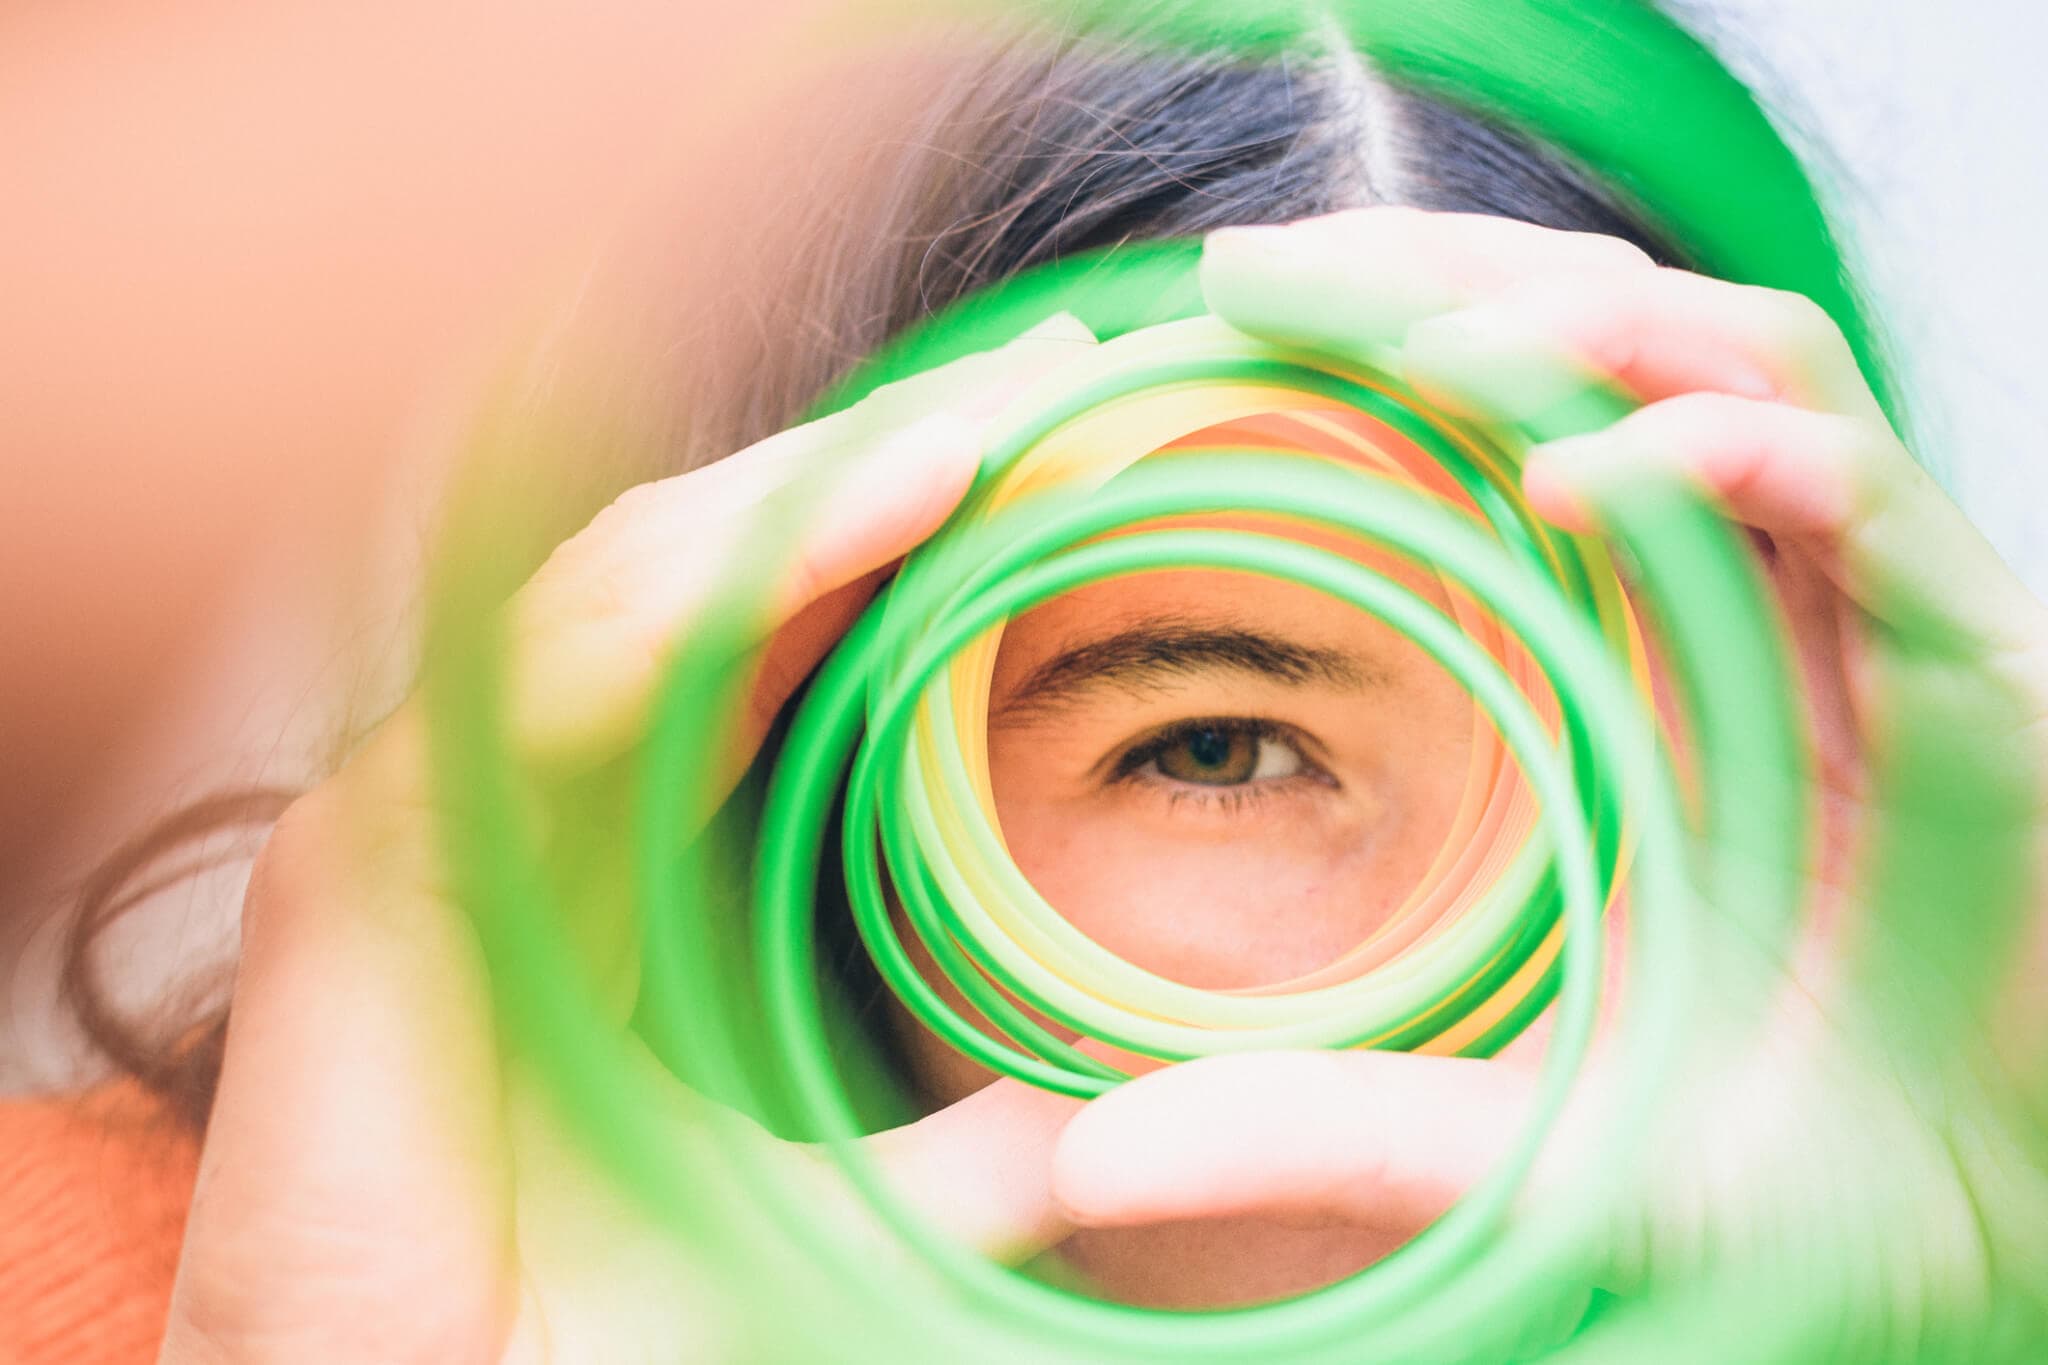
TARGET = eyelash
(1233,800)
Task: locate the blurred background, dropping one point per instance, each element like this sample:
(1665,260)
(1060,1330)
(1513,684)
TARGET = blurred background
(1926,121)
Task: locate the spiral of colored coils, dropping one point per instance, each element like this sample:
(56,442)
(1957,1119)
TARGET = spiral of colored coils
(1191,446)
(1096,479)
(1176,446)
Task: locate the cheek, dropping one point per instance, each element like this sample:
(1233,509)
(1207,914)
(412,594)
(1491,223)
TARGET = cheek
(1246,900)
(1236,910)
(1225,915)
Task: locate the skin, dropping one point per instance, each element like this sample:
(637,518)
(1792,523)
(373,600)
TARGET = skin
(403,246)
(373,1188)
(1250,850)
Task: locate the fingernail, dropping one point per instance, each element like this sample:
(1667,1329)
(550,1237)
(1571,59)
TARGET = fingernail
(1060,327)
(1252,246)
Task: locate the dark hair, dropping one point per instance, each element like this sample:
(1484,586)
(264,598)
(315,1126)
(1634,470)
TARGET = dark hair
(1032,155)
(178,1059)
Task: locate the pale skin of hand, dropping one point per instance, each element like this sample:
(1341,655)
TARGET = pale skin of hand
(372,1187)
(340,1175)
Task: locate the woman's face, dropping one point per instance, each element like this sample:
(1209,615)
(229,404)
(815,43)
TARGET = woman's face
(1229,781)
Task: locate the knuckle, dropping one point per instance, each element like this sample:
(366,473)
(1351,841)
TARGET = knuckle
(1877,488)
(370,825)
(807,576)
(581,577)
(604,575)
(609,593)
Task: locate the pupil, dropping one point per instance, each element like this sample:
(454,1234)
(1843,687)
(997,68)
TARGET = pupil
(1209,748)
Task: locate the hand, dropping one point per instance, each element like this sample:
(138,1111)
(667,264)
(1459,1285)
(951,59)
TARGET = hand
(1843,1194)
(374,1186)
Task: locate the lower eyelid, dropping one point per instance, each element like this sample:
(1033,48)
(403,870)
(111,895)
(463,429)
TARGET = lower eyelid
(1237,799)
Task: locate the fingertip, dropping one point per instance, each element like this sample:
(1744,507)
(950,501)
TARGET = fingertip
(1179,1142)
(1554,495)
(1061,326)
(1127,1158)
(1239,268)
(1094,1181)
(1257,246)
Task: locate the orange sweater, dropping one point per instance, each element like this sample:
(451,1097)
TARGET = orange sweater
(93,1192)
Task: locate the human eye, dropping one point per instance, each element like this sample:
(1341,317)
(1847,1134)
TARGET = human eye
(1213,760)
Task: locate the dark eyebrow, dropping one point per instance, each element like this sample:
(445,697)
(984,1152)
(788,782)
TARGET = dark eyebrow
(1161,650)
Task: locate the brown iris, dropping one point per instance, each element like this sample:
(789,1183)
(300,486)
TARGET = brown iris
(1211,755)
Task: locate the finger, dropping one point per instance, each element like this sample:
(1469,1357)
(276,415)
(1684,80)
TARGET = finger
(1359,280)
(355,1154)
(593,632)
(1888,536)
(981,1169)
(353,1199)
(608,1272)
(1385,1140)
(597,626)
(1651,334)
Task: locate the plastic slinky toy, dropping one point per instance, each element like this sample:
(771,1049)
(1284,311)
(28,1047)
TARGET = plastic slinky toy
(1180,444)
(1176,444)
(1187,445)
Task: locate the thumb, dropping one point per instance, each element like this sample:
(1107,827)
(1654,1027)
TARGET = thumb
(981,1169)
(1380,1139)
